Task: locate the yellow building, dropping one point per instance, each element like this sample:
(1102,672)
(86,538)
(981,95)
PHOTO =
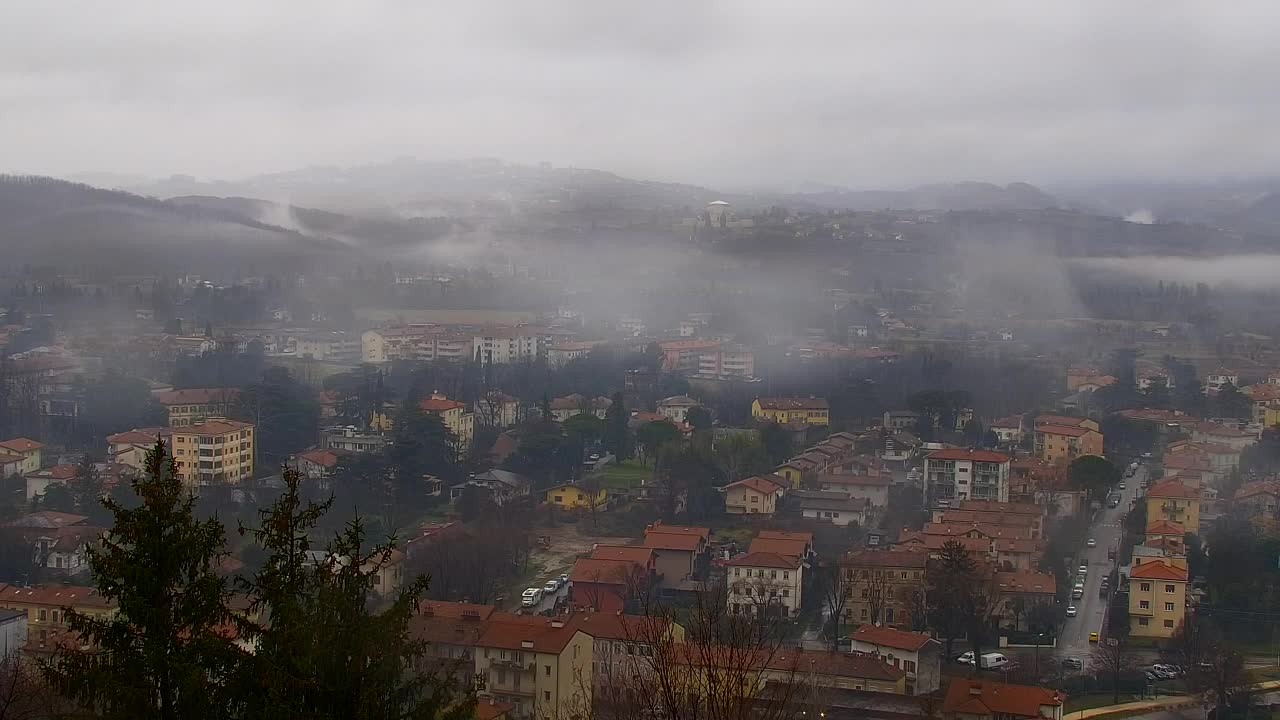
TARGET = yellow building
(1157,597)
(753,495)
(214,451)
(1062,444)
(45,606)
(193,405)
(811,411)
(454,416)
(1171,500)
(541,665)
(572,497)
(25,448)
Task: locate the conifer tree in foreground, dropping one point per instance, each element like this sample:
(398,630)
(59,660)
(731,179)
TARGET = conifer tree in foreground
(164,653)
(320,652)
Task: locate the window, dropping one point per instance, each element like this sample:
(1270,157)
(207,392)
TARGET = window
(1168,607)
(904,574)
(55,616)
(864,593)
(864,613)
(737,572)
(1144,621)
(1168,588)
(546,695)
(786,575)
(773,574)
(1145,587)
(44,615)
(548,668)
(786,592)
(1168,623)
(909,665)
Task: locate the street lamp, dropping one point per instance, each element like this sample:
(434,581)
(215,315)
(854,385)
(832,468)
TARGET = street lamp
(1039,639)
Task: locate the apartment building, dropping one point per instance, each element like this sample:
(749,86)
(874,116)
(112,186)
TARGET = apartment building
(454,416)
(214,451)
(503,346)
(917,654)
(957,474)
(810,411)
(352,440)
(764,583)
(25,448)
(991,700)
(563,353)
(1062,444)
(186,407)
(45,606)
(1176,502)
(883,586)
(727,361)
(541,665)
(686,355)
(1157,597)
(335,346)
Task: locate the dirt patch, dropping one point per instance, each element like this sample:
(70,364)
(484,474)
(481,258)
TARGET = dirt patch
(567,545)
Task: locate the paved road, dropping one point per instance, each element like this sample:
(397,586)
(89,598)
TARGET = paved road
(1091,609)
(1198,712)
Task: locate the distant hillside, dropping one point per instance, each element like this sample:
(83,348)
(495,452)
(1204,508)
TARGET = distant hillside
(953,196)
(48,220)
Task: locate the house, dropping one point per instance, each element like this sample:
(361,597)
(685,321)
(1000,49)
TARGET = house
(451,631)
(502,486)
(1260,503)
(37,482)
(45,606)
(900,419)
(872,488)
(497,409)
(1157,598)
(563,408)
(186,407)
(1263,396)
(213,451)
(833,507)
(11,465)
(1018,592)
(968,699)
(676,408)
(917,654)
(623,648)
(959,474)
(1220,377)
(573,497)
(784,542)
(1062,444)
(58,540)
(824,670)
(1172,500)
(764,584)
(25,448)
(1008,430)
(1220,459)
(809,411)
(316,463)
(1214,433)
(351,440)
(678,551)
(541,665)
(758,494)
(1087,378)
(131,447)
(454,416)
(608,584)
(562,354)
(727,361)
(884,587)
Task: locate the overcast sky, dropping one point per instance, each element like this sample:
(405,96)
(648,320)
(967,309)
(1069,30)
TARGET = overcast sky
(733,93)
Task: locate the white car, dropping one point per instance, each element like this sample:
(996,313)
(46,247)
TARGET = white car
(531,597)
(966,659)
(1092,543)
(1121,486)
(1084,569)
(552,587)
(1071,611)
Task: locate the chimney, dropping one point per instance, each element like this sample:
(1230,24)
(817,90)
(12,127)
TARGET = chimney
(557,623)
(526,644)
(975,688)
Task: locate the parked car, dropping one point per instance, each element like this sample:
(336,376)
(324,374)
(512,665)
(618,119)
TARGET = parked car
(1093,637)
(1121,485)
(1071,611)
(531,596)
(1084,570)
(1073,663)
(1092,543)
(564,579)
(552,587)
(989,661)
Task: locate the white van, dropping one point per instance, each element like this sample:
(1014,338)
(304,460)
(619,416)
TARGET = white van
(531,597)
(992,661)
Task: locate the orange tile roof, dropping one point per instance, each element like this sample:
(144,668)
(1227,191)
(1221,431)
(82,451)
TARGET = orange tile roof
(889,637)
(759,484)
(672,541)
(21,445)
(1063,430)
(969,454)
(989,698)
(1258,487)
(848,665)
(138,436)
(433,404)
(630,553)
(543,634)
(1001,507)
(780,546)
(1060,420)
(1024,581)
(220,426)
(54,596)
(1165,527)
(7,459)
(604,571)
(765,559)
(57,472)
(1157,571)
(1172,489)
(661,527)
(616,626)
(918,539)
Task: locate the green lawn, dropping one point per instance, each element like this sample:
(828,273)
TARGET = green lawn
(625,475)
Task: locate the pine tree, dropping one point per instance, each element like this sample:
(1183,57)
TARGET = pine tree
(615,428)
(162,654)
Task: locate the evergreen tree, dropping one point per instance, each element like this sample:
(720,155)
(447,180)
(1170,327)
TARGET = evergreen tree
(86,487)
(163,653)
(615,428)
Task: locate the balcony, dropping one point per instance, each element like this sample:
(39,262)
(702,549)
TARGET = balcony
(514,665)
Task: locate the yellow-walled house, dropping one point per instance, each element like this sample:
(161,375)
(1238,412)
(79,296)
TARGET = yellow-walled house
(541,665)
(811,411)
(1157,598)
(1171,500)
(25,448)
(570,496)
(454,416)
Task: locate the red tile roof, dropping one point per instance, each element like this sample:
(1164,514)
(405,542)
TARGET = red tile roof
(1173,489)
(765,559)
(758,483)
(604,571)
(1165,527)
(630,553)
(780,546)
(888,637)
(672,541)
(7,459)
(989,698)
(1001,507)
(47,519)
(1062,420)
(139,436)
(969,454)
(54,596)
(321,457)
(615,626)
(661,527)
(862,480)
(21,445)
(1024,581)
(57,472)
(433,404)
(1157,571)
(1063,430)
(220,426)
(1258,487)
(1217,430)
(543,634)
(848,665)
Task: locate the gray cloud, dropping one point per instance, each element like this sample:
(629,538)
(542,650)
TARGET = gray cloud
(722,92)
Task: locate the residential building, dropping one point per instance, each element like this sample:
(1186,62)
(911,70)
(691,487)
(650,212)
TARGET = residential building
(968,699)
(686,355)
(1260,503)
(917,654)
(11,465)
(350,439)
(1064,443)
(614,580)
(454,415)
(749,496)
(1020,591)
(214,451)
(1008,430)
(730,361)
(823,670)
(316,463)
(1172,500)
(1263,396)
(1222,376)
(40,480)
(676,408)
(186,407)
(131,447)
(13,633)
(883,586)
(561,354)
(795,543)
(959,474)
(25,448)
(809,411)
(874,489)
(836,508)
(334,346)
(1157,598)
(764,583)
(1220,459)
(572,497)
(541,665)
(506,345)
(45,606)
(1215,433)
(498,410)
(563,408)
(58,540)
(451,631)
(679,550)
(901,419)
(500,485)
(1020,514)
(1067,421)
(623,649)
